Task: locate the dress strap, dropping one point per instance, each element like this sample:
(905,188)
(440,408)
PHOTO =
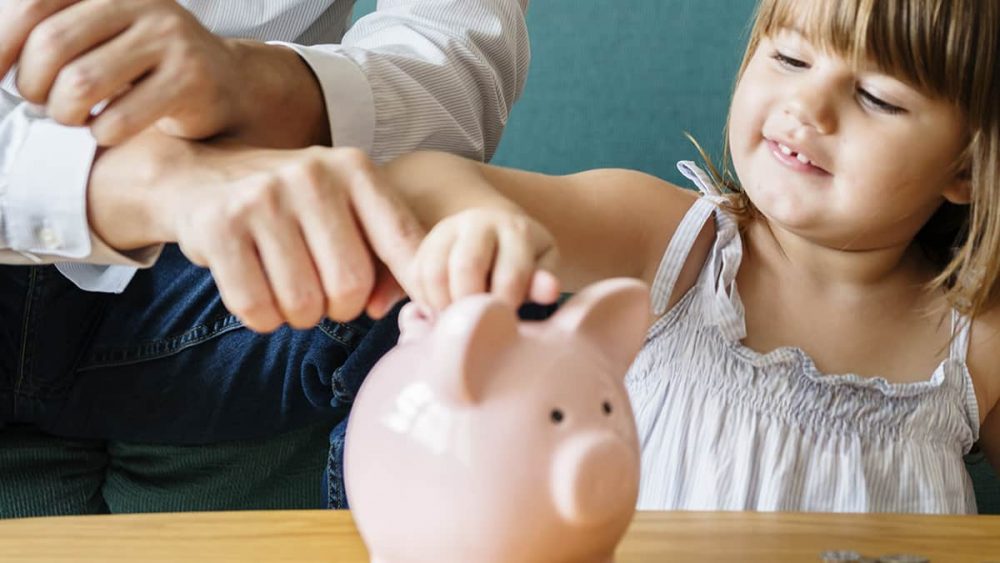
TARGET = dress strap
(677,252)
(958,369)
(683,240)
(705,184)
(960,327)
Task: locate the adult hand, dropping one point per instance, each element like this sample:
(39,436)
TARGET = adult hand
(151,59)
(286,234)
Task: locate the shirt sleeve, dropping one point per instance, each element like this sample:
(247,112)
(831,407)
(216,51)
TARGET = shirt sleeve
(44,171)
(427,74)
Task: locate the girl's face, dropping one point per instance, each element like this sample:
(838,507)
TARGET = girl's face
(850,158)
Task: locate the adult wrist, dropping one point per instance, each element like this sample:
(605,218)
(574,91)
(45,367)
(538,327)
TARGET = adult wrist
(281,103)
(131,192)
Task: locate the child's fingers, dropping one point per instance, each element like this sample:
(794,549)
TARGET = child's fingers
(544,288)
(513,267)
(432,286)
(470,262)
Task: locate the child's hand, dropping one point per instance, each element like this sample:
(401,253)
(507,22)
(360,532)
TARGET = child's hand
(478,250)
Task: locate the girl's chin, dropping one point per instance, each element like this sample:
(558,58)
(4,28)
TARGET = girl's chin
(785,212)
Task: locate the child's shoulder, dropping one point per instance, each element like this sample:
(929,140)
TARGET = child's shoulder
(632,179)
(655,209)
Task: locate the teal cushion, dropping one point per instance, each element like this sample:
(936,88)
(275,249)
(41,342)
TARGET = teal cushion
(619,87)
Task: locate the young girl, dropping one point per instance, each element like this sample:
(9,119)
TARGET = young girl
(825,332)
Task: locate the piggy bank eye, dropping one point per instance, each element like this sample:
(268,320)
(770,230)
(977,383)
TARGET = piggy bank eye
(556,415)
(606,406)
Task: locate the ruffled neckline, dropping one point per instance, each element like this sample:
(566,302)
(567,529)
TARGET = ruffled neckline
(730,319)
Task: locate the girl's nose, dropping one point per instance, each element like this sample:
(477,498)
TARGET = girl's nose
(812,104)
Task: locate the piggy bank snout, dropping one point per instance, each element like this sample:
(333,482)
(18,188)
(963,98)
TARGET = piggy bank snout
(595,478)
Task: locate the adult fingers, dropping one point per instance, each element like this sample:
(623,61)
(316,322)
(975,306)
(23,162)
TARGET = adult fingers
(289,267)
(63,37)
(386,294)
(242,283)
(389,225)
(137,108)
(105,74)
(17,19)
(339,251)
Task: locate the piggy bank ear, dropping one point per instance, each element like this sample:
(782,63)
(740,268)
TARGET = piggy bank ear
(472,335)
(415,320)
(613,314)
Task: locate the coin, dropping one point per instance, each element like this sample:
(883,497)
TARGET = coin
(839,556)
(903,558)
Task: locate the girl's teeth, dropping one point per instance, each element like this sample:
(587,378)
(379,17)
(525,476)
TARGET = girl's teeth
(787,151)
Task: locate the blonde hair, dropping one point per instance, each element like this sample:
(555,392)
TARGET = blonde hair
(949,50)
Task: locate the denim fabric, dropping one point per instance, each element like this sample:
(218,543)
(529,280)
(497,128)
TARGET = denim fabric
(163,362)
(379,340)
(348,380)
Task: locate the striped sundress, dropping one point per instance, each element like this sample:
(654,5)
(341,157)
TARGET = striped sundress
(723,427)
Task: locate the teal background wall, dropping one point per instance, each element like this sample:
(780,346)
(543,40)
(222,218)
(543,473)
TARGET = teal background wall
(616,84)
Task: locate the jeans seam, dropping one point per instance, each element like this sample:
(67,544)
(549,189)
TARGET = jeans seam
(163,348)
(22,364)
(336,495)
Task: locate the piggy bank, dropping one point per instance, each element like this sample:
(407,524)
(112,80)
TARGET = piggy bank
(481,438)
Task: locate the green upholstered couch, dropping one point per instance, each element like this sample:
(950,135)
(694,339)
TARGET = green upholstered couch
(611,84)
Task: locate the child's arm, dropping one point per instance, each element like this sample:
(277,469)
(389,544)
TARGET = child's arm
(984,365)
(605,223)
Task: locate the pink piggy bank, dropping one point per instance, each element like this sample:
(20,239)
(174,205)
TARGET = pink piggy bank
(481,438)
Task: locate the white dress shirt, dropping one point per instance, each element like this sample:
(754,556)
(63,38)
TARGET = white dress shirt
(431,74)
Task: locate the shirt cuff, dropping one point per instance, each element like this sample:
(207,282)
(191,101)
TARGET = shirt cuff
(46,194)
(350,103)
(102,279)
(109,278)
(45,208)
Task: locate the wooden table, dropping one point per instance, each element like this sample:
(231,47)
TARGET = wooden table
(654,536)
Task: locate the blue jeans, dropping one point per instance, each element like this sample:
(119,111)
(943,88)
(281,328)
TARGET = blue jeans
(164,362)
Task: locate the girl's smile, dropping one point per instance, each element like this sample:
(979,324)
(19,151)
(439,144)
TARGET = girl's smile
(795,159)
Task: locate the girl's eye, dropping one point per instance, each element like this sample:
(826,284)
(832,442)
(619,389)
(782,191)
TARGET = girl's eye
(788,62)
(878,104)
